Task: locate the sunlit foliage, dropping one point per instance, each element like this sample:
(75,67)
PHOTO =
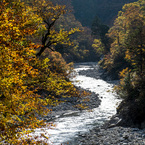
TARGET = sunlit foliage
(81,50)
(50,13)
(99,46)
(23,75)
(128,49)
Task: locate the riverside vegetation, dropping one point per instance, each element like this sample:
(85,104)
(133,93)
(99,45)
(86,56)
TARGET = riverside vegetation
(24,73)
(35,34)
(125,59)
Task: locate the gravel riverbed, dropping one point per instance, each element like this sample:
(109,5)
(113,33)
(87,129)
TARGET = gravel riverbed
(69,107)
(112,136)
(107,134)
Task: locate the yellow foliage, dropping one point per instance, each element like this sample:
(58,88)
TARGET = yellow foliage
(124,72)
(50,13)
(98,46)
(23,75)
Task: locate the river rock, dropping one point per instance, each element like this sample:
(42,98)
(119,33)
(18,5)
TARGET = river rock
(113,136)
(111,133)
(70,105)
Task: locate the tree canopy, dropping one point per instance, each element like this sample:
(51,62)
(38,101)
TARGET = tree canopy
(127,48)
(23,75)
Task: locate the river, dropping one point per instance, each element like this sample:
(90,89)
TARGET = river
(71,126)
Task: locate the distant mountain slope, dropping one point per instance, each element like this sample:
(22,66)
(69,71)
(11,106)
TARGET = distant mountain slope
(86,10)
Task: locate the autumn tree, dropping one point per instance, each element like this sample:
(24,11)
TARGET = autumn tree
(126,58)
(17,78)
(134,43)
(50,13)
(99,46)
(127,50)
(115,59)
(81,50)
(134,40)
(23,75)
(99,31)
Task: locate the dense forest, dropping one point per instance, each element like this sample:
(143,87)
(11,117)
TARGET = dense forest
(26,31)
(124,57)
(85,11)
(39,40)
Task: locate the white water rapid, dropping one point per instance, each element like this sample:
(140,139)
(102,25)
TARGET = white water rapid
(70,126)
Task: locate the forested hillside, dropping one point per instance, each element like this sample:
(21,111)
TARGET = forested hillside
(86,10)
(82,49)
(32,74)
(126,58)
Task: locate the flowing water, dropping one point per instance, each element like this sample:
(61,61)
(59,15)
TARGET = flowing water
(70,126)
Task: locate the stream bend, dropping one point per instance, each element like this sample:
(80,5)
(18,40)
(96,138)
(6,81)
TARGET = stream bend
(71,125)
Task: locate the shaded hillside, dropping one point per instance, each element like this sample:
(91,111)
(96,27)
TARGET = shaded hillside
(82,49)
(85,10)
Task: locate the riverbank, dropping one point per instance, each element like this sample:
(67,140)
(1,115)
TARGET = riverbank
(112,136)
(75,126)
(73,105)
(110,133)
